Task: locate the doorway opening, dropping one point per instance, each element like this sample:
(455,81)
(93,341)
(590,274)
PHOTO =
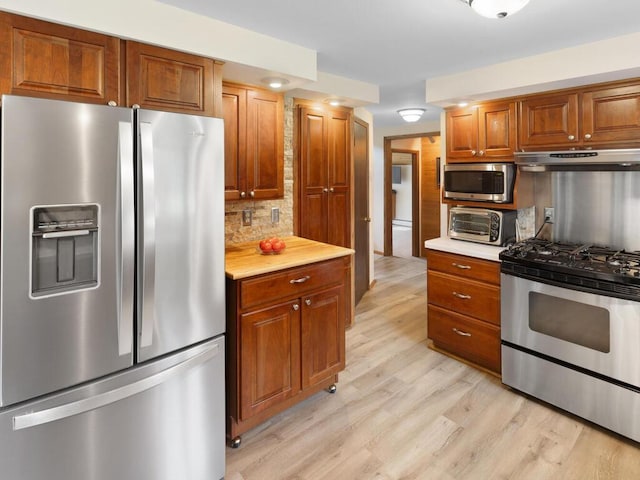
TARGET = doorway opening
(412,198)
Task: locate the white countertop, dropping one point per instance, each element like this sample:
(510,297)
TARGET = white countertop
(462,247)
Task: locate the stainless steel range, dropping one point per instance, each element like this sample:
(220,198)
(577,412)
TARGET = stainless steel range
(571,329)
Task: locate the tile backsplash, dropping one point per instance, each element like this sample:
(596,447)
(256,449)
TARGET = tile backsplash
(261,225)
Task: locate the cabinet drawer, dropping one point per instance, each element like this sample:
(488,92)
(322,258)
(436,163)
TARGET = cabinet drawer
(467,267)
(466,337)
(290,283)
(479,300)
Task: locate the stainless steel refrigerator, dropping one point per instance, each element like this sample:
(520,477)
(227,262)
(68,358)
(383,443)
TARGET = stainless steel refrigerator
(112,293)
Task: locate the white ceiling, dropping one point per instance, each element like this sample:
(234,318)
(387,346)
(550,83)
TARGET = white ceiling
(399,44)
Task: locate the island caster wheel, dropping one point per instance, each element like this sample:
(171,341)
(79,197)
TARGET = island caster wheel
(235,443)
(332,389)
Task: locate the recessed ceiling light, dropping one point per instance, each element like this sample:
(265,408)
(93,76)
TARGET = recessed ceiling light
(275,82)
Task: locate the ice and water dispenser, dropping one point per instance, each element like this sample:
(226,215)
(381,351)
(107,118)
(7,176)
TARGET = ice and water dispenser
(64,248)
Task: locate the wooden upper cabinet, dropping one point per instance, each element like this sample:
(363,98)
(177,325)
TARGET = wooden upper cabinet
(484,132)
(163,79)
(611,115)
(54,61)
(549,120)
(603,117)
(254,143)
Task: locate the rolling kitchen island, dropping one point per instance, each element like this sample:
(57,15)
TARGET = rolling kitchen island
(286,318)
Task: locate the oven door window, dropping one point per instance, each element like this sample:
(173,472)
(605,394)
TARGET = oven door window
(571,321)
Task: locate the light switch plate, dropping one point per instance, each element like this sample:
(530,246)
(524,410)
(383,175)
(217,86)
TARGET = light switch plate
(246,218)
(275,215)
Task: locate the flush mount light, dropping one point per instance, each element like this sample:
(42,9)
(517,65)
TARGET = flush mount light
(496,8)
(275,82)
(411,114)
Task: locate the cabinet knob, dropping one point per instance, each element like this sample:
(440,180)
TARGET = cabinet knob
(587,136)
(325,190)
(296,307)
(252,194)
(112,103)
(367,219)
(473,152)
(307,301)
(331,189)
(571,137)
(481,153)
(243,194)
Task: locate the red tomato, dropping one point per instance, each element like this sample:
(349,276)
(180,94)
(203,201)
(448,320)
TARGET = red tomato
(277,246)
(266,246)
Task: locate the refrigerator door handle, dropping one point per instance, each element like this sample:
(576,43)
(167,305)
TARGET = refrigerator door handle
(33,419)
(148,235)
(125,242)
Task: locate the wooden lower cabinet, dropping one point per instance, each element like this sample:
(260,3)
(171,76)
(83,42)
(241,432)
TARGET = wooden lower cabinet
(286,339)
(463,295)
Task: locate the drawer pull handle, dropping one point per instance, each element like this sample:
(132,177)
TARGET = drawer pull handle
(461,333)
(300,280)
(461,267)
(462,296)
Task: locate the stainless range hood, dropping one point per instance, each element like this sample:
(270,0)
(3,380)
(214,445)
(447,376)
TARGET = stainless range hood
(620,159)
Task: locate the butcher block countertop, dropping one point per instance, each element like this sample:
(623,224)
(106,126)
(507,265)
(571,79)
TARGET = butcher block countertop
(245,260)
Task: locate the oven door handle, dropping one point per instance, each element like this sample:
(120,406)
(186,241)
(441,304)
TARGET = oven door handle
(461,295)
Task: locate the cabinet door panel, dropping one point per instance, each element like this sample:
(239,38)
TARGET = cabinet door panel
(549,120)
(54,61)
(162,79)
(265,144)
(233,113)
(462,134)
(611,115)
(270,357)
(497,130)
(323,338)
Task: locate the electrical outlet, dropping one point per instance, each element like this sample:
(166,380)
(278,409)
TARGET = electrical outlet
(549,214)
(246,218)
(275,215)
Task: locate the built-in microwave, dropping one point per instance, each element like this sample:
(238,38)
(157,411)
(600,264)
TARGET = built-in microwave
(479,182)
(493,227)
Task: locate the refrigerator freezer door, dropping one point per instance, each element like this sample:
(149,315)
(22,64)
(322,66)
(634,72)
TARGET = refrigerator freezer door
(67,245)
(163,420)
(181,231)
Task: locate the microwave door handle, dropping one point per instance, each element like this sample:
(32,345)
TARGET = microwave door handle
(148,235)
(125,240)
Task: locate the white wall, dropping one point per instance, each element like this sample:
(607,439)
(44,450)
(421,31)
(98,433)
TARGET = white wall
(404,193)
(613,59)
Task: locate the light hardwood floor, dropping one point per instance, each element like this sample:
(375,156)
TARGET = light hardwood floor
(403,411)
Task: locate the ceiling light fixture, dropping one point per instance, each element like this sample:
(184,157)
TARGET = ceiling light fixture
(411,114)
(275,82)
(496,8)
